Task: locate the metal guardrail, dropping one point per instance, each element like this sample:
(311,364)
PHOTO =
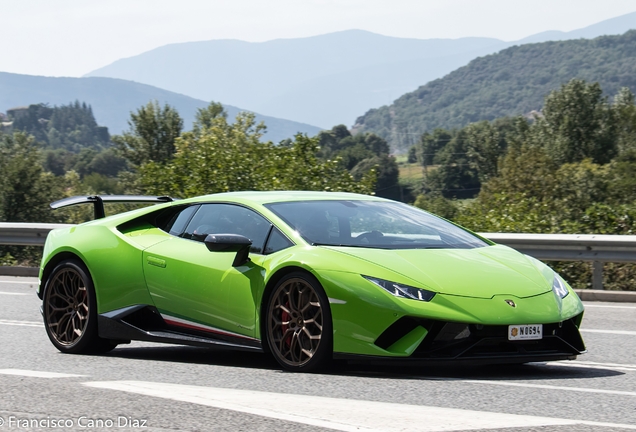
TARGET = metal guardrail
(598,249)
(26,234)
(547,247)
(571,247)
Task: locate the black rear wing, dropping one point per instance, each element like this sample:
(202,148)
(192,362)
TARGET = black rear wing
(99,200)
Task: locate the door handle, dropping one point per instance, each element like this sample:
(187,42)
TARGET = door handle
(158,262)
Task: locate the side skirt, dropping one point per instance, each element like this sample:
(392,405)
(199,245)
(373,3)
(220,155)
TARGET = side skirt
(145,323)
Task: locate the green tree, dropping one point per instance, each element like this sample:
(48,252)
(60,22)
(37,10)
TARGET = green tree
(432,143)
(412,155)
(25,189)
(626,112)
(534,194)
(361,154)
(74,128)
(151,136)
(107,163)
(83,160)
(57,161)
(485,144)
(456,176)
(387,172)
(330,141)
(354,154)
(577,123)
(204,117)
(437,204)
(70,127)
(339,142)
(33,121)
(225,156)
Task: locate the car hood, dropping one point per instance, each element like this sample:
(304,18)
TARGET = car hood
(481,272)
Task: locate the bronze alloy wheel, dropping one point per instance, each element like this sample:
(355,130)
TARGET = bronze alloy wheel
(67,306)
(298,325)
(70,310)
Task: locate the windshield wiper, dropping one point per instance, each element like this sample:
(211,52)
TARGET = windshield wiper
(340,245)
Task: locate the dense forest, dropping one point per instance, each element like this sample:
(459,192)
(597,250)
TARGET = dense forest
(68,138)
(156,156)
(70,127)
(361,153)
(511,82)
(568,169)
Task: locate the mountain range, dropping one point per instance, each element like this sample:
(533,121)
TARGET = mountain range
(511,82)
(318,82)
(113,100)
(322,80)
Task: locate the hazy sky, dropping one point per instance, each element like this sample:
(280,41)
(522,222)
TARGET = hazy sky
(73,37)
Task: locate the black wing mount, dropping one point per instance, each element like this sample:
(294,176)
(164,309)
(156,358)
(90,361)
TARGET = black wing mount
(99,200)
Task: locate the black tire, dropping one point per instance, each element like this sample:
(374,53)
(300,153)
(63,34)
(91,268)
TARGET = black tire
(299,326)
(70,310)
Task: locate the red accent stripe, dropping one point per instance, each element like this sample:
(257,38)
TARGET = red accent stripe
(204,329)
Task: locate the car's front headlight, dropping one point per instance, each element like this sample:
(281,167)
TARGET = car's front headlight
(559,287)
(401,290)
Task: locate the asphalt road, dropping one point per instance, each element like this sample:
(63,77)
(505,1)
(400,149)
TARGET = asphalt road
(145,386)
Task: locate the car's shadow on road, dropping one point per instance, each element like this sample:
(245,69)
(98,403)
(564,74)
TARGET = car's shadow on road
(253,360)
(194,355)
(530,371)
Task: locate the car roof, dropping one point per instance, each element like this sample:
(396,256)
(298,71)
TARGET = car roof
(265,197)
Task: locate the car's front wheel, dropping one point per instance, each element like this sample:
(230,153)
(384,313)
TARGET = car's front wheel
(70,310)
(299,327)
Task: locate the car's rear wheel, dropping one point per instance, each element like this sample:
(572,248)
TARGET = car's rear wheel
(299,327)
(70,310)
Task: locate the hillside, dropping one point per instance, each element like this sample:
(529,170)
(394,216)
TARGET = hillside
(511,82)
(322,80)
(112,100)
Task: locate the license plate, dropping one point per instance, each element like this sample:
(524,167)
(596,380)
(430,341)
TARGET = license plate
(525,332)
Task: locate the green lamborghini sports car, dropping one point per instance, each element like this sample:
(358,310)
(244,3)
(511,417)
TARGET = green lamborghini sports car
(304,276)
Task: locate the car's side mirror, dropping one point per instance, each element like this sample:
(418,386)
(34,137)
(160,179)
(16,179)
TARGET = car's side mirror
(230,243)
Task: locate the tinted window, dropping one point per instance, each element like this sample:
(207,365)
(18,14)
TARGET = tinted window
(372,224)
(173,220)
(228,219)
(276,242)
(181,220)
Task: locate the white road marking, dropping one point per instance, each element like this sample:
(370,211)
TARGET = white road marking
(21,323)
(547,387)
(339,414)
(615,332)
(37,374)
(587,305)
(14,293)
(602,364)
(19,282)
(623,368)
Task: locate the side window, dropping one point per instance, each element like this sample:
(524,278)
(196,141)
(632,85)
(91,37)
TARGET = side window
(228,219)
(276,242)
(174,220)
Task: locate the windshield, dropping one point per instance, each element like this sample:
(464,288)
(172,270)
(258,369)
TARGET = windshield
(372,224)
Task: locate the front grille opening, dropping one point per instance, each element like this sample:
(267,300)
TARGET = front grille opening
(449,340)
(396,331)
(453,331)
(452,340)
